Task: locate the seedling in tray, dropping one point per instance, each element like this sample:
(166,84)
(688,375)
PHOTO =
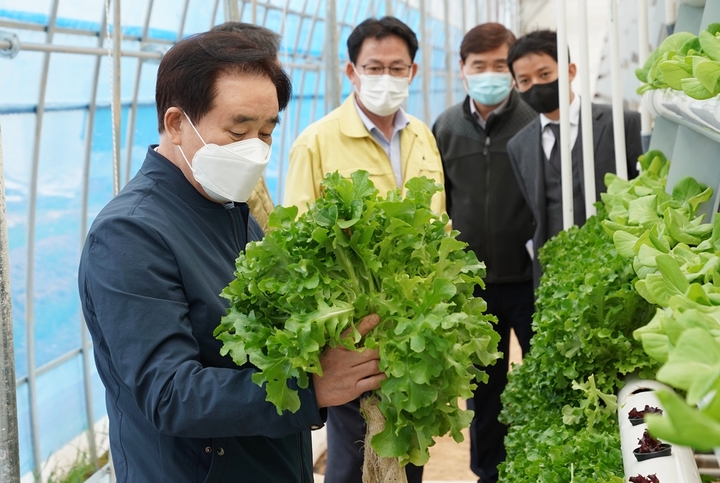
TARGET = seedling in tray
(650,448)
(637,417)
(644,479)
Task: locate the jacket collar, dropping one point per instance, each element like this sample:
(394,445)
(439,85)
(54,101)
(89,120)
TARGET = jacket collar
(350,123)
(500,113)
(161,170)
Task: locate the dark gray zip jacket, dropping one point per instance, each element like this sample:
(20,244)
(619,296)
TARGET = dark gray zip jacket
(154,262)
(483,197)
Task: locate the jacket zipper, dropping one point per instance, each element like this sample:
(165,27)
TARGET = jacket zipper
(302,465)
(232,211)
(486,153)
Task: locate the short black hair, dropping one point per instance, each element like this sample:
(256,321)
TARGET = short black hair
(537,42)
(266,40)
(380,29)
(188,72)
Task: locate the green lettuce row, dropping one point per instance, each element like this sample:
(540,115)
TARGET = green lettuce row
(560,404)
(677,260)
(351,254)
(560,453)
(685,62)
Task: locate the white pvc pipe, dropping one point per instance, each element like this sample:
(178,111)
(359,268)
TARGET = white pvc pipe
(426,46)
(644,53)
(231,10)
(617,93)
(332,67)
(564,87)
(586,113)
(679,466)
(670,12)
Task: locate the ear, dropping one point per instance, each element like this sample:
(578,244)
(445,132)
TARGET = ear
(352,75)
(572,71)
(413,72)
(462,69)
(173,120)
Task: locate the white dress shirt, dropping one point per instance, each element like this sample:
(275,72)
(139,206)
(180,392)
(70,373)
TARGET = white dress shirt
(548,138)
(391,147)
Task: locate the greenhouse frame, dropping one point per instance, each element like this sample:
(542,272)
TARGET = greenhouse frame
(77,112)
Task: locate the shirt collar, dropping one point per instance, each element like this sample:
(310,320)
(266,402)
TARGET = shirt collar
(400,121)
(574,114)
(476,114)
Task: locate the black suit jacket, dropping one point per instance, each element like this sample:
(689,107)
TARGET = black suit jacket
(526,157)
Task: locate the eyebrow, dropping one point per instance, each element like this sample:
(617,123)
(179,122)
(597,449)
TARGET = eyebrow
(376,61)
(239,119)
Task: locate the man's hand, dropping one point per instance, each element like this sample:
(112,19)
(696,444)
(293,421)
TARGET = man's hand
(347,374)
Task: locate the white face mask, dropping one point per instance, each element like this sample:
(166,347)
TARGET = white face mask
(382,95)
(229,172)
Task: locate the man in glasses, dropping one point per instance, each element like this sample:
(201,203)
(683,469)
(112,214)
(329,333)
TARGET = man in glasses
(369,131)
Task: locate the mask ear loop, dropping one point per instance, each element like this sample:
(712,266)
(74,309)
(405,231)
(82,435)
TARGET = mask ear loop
(196,132)
(465,83)
(193,126)
(357,91)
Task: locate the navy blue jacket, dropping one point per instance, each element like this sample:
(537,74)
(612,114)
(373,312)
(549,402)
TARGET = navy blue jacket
(154,262)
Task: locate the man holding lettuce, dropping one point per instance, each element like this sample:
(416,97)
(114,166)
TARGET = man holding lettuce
(151,271)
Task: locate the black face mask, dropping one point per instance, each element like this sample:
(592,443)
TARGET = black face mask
(543,98)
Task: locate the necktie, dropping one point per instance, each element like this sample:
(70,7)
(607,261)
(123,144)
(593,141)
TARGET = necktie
(555,151)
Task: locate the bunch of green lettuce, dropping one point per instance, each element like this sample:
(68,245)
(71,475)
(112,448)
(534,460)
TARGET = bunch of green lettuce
(352,254)
(677,259)
(650,75)
(560,404)
(685,62)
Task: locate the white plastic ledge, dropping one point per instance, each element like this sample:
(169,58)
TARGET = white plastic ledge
(679,467)
(701,116)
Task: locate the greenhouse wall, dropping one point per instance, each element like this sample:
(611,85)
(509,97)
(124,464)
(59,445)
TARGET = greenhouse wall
(56,114)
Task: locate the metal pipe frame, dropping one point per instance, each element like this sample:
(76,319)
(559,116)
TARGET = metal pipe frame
(67,49)
(9,446)
(62,30)
(45,368)
(86,343)
(116,76)
(564,87)
(30,260)
(586,112)
(136,91)
(617,93)
(303,73)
